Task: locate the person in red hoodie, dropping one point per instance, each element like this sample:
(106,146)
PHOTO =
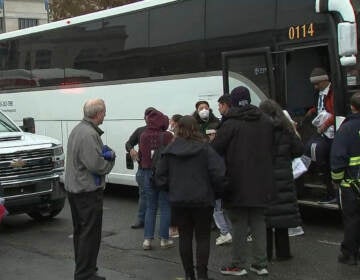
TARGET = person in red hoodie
(154,136)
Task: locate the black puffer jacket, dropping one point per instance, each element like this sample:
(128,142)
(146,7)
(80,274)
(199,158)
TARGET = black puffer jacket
(192,171)
(283,212)
(245,139)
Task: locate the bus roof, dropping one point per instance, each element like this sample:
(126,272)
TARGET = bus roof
(88,17)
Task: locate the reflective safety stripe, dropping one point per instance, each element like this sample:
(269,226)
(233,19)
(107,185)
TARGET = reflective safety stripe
(354,161)
(337,175)
(346,183)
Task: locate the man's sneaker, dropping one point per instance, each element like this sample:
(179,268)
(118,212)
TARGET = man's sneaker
(137,225)
(347,259)
(224,239)
(259,270)
(233,270)
(166,243)
(295,231)
(147,244)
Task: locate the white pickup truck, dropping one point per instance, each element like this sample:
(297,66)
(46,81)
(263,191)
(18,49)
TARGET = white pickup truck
(30,169)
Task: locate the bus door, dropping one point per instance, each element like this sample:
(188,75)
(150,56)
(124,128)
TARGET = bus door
(298,94)
(252,68)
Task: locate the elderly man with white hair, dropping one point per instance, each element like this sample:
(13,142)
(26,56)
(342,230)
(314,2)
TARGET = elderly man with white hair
(88,160)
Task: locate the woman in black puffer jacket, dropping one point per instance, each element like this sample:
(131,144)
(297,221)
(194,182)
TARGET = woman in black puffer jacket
(283,212)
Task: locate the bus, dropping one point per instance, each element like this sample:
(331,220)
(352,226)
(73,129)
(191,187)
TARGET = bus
(169,54)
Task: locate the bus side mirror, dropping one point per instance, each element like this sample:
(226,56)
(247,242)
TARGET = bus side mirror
(347,43)
(28,125)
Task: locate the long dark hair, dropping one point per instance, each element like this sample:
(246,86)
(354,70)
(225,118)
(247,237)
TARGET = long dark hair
(273,109)
(188,129)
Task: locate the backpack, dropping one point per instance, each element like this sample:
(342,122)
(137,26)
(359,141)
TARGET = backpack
(155,157)
(156,154)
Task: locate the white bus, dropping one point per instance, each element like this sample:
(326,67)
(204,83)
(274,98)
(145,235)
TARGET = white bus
(169,54)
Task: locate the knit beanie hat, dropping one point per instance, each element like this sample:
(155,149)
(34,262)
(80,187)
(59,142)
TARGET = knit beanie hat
(240,96)
(201,102)
(318,75)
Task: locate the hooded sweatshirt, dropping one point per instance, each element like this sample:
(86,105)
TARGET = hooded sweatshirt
(192,172)
(156,124)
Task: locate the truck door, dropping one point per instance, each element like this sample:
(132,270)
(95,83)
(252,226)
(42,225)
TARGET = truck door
(252,68)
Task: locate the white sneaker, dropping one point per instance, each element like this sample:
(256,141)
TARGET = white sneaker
(166,243)
(147,244)
(224,239)
(249,238)
(295,231)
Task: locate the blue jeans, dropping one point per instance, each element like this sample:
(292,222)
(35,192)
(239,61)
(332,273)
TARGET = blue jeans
(221,219)
(142,201)
(153,199)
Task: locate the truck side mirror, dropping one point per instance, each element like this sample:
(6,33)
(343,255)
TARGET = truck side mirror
(28,125)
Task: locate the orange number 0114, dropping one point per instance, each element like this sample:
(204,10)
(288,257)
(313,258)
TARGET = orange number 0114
(297,32)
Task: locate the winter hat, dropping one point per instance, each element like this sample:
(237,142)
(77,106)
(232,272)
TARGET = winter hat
(240,96)
(201,102)
(318,75)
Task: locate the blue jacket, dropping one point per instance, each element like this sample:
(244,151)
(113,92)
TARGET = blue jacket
(345,152)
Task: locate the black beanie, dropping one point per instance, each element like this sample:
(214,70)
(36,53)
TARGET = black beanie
(240,96)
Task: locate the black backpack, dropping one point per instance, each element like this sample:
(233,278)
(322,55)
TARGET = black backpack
(155,157)
(156,154)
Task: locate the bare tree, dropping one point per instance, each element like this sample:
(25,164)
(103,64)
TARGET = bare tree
(60,9)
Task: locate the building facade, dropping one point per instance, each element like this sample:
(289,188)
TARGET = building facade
(19,14)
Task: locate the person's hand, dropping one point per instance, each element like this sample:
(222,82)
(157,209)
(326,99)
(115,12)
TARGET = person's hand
(211,136)
(108,153)
(134,155)
(321,129)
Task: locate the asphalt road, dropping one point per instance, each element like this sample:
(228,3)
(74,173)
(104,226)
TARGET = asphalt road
(30,250)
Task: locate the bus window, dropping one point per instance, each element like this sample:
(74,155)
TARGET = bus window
(250,69)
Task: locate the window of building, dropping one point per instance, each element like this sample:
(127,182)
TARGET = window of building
(27,22)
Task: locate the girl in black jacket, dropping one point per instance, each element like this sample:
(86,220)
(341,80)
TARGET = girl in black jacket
(190,169)
(283,212)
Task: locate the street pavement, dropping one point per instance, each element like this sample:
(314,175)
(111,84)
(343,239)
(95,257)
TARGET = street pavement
(31,250)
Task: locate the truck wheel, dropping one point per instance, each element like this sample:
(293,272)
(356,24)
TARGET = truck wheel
(45,215)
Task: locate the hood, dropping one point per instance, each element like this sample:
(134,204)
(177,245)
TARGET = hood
(157,120)
(184,148)
(11,142)
(247,113)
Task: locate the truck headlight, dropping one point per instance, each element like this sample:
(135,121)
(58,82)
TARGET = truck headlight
(58,151)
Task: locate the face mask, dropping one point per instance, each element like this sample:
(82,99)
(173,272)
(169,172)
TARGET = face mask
(204,114)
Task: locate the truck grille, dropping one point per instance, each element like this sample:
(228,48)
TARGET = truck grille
(25,163)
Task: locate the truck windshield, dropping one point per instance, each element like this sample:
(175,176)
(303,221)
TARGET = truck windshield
(6,125)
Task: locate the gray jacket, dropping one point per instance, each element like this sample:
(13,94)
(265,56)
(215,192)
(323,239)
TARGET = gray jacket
(84,159)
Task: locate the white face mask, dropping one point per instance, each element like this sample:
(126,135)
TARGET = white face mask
(204,114)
